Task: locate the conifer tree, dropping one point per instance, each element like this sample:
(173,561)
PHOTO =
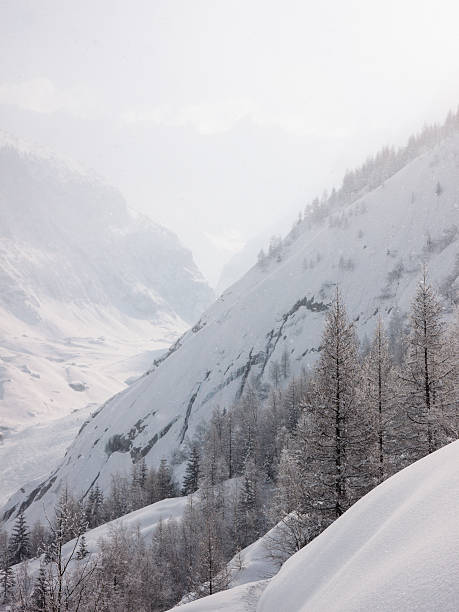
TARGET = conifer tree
(39,597)
(379,398)
(166,484)
(82,551)
(285,363)
(94,508)
(249,519)
(19,545)
(191,478)
(428,375)
(335,428)
(292,404)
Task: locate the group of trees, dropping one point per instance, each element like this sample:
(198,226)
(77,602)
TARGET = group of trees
(72,518)
(373,173)
(297,452)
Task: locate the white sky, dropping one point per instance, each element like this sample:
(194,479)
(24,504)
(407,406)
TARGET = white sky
(219,117)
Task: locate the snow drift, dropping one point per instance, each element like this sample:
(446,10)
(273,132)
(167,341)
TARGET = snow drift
(396,549)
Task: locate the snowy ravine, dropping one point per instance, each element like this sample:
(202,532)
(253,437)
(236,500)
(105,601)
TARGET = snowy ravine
(90,294)
(373,247)
(395,549)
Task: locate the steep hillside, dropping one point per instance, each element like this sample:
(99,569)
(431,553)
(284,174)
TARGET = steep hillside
(91,293)
(373,246)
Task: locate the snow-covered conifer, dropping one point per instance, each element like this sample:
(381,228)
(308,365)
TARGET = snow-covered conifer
(19,544)
(428,376)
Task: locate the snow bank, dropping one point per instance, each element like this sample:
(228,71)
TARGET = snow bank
(242,598)
(396,549)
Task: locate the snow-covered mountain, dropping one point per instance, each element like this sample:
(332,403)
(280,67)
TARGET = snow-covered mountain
(90,294)
(372,244)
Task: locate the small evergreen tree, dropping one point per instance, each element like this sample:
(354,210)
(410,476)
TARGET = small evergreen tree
(19,545)
(165,482)
(39,597)
(191,478)
(249,509)
(82,551)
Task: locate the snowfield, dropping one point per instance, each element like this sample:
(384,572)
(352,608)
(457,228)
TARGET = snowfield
(395,549)
(373,247)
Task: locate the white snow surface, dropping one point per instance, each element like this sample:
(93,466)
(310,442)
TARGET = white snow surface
(395,549)
(242,598)
(382,238)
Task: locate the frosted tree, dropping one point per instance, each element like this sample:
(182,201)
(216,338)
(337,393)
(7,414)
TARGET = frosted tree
(82,551)
(68,524)
(262,259)
(38,537)
(292,403)
(428,375)
(218,448)
(334,431)
(247,413)
(211,550)
(40,593)
(94,508)
(19,545)
(118,501)
(379,397)
(292,508)
(7,580)
(192,471)
(285,364)
(275,372)
(165,482)
(249,519)
(271,442)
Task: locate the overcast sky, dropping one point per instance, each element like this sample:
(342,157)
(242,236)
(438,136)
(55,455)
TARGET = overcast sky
(218,118)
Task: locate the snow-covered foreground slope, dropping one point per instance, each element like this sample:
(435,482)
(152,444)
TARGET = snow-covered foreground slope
(90,294)
(395,549)
(373,247)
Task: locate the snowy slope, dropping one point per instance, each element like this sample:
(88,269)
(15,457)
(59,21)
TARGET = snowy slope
(90,294)
(395,549)
(373,248)
(146,520)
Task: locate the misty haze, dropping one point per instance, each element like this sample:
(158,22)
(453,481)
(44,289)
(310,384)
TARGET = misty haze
(229,321)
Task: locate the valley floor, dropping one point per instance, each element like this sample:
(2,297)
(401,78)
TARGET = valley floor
(63,384)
